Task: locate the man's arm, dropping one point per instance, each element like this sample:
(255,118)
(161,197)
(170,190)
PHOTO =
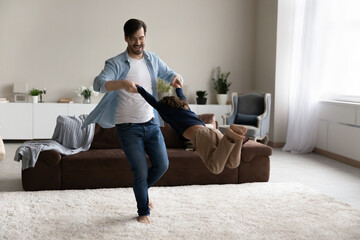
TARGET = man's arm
(121,84)
(107,81)
(148,97)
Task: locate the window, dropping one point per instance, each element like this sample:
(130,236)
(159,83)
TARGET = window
(339,26)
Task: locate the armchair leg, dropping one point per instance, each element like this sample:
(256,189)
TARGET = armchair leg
(264,140)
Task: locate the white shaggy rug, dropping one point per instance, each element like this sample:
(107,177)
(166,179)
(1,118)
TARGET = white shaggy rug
(245,211)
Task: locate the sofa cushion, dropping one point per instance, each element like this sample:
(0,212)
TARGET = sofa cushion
(170,137)
(208,119)
(105,138)
(186,167)
(96,168)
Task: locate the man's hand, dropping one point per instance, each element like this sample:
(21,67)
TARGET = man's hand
(129,86)
(176,82)
(176,85)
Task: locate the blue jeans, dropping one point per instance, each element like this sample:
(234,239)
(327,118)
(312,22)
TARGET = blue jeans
(137,140)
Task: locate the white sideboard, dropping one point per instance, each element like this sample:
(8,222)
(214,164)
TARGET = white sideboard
(16,120)
(45,118)
(25,121)
(45,115)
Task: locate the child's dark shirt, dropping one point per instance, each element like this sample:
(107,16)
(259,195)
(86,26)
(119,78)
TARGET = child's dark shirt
(178,118)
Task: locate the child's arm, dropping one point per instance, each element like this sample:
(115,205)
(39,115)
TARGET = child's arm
(179,91)
(148,97)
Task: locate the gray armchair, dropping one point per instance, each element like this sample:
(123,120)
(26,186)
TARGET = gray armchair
(251,110)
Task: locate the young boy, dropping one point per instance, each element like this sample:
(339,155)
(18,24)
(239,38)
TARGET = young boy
(215,149)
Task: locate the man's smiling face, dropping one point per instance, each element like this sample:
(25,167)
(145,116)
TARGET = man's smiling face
(136,43)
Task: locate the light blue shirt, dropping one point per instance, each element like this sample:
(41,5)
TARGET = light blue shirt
(117,68)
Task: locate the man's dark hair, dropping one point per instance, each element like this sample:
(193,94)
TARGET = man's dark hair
(133,25)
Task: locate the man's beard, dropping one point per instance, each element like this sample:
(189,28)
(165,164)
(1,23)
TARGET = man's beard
(137,50)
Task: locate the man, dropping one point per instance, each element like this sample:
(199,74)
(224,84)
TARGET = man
(137,123)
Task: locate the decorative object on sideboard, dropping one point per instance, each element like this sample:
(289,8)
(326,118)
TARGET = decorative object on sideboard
(221,85)
(41,95)
(163,88)
(3,100)
(86,93)
(20,90)
(201,97)
(35,94)
(65,100)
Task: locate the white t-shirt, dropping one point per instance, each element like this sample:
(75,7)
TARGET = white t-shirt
(132,107)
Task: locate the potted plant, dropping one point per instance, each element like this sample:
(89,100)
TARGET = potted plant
(162,87)
(221,85)
(35,94)
(201,97)
(86,93)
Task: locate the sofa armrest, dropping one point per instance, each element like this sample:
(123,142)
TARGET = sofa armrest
(46,175)
(252,149)
(51,158)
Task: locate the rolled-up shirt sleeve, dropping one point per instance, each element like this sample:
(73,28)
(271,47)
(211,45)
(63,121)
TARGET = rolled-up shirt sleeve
(107,74)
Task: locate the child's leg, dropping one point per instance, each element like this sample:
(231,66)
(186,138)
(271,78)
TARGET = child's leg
(236,133)
(222,153)
(238,129)
(213,148)
(232,135)
(235,156)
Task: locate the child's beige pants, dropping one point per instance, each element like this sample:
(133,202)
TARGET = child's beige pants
(216,150)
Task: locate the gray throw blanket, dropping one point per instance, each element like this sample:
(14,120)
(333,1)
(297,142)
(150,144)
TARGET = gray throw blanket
(68,138)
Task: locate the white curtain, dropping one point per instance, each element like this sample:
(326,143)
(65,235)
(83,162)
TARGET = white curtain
(325,54)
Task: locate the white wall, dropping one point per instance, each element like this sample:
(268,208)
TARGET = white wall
(62,44)
(265,51)
(339,129)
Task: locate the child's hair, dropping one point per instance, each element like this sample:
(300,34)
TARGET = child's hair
(173,101)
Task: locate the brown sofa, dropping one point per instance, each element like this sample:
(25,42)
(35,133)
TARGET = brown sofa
(105,165)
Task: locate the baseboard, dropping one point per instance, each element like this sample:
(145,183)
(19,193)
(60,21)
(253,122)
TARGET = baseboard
(322,152)
(337,157)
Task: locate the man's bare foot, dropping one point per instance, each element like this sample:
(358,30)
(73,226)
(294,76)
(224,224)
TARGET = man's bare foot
(238,129)
(144,219)
(151,205)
